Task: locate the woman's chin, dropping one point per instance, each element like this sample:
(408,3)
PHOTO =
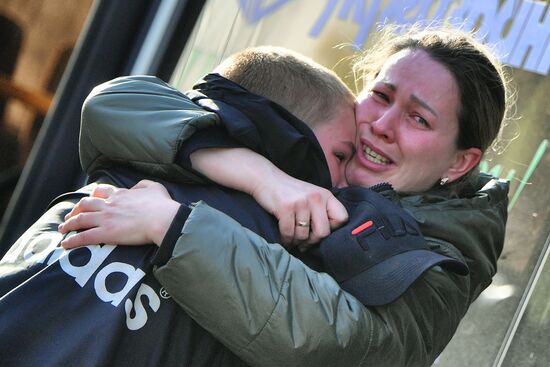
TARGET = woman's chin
(367,173)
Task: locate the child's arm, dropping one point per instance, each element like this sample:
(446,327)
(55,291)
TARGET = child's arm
(290,200)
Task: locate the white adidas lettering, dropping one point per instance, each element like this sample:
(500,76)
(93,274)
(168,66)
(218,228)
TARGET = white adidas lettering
(46,246)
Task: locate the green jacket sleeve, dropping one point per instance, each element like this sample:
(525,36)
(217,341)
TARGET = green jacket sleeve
(141,122)
(272,310)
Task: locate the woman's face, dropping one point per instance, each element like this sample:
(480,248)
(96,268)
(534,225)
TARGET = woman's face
(407,125)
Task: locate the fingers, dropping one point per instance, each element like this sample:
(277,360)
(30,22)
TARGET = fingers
(301,222)
(320,227)
(325,219)
(89,237)
(315,217)
(88,204)
(294,224)
(80,221)
(337,213)
(309,219)
(286,228)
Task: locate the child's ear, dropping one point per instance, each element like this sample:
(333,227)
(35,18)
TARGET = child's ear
(465,161)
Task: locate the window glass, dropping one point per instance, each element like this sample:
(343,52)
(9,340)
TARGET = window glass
(502,320)
(531,329)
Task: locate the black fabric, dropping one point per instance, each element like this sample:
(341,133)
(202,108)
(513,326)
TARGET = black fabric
(265,127)
(212,137)
(174,232)
(380,252)
(101,305)
(96,306)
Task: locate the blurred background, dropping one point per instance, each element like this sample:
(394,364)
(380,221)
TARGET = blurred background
(37,38)
(53,52)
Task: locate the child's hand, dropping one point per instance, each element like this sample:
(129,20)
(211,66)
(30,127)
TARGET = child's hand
(139,216)
(306,213)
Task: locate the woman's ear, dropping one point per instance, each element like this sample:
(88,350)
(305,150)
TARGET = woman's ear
(465,161)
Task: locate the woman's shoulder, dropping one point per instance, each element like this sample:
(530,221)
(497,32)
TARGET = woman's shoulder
(479,192)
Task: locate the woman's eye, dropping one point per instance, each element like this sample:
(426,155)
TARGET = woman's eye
(380,95)
(422,121)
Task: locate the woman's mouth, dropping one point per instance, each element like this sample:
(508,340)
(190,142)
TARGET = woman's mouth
(375,157)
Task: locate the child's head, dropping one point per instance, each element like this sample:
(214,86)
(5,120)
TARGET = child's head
(308,90)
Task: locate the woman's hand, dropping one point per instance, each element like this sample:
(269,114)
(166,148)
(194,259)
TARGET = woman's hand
(306,213)
(139,216)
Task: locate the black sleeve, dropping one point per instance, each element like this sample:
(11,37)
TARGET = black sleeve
(213,137)
(164,253)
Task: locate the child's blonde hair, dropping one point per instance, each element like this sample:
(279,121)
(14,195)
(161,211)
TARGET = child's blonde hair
(305,88)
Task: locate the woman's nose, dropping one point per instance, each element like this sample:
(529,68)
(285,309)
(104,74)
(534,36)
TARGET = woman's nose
(383,124)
